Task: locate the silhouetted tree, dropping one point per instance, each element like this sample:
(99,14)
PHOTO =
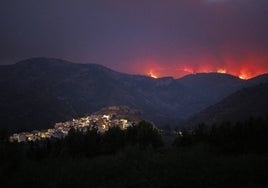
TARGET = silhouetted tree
(3,135)
(10,156)
(184,138)
(92,142)
(144,134)
(200,133)
(113,140)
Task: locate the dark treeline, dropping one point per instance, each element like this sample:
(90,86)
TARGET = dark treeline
(76,145)
(250,136)
(224,155)
(89,143)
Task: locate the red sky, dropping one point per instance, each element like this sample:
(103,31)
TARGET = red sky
(245,67)
(164,37)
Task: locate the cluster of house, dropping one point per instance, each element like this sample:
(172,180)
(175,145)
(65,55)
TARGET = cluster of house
(60,130)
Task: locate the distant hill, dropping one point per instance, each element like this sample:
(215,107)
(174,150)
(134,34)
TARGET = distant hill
(121,112)
(208,88)
(36,93)
(240,106)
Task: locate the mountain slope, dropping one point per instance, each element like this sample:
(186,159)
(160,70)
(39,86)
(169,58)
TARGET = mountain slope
(245,103)
(38,92)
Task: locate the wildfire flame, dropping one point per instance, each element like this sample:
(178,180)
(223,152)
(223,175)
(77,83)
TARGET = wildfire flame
(222,71)
(252,65)
(246,70)
(151,74)
(243,76)
(188,70)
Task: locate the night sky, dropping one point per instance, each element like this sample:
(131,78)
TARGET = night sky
(162,37)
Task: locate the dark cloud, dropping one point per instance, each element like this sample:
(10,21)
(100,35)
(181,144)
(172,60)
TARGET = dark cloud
(136,36)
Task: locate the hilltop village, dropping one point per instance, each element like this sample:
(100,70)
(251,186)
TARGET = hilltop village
(100,121)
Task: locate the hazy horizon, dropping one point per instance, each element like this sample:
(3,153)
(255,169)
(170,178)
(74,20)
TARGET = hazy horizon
(141,37)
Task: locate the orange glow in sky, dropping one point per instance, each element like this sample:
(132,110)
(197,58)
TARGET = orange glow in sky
(240,74)
(242,67)
(189,70)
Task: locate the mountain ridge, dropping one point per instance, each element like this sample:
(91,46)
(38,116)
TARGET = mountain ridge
(239,106)
(41,91)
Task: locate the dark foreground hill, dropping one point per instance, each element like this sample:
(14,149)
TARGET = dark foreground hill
(243,104)
(38,92)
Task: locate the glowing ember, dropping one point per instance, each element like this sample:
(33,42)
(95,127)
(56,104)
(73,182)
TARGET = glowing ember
(151,74)
(222,71)
(188,70)
(243,76)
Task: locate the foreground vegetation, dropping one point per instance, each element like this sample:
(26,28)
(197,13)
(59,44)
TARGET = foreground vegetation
(204,157)
(246,137)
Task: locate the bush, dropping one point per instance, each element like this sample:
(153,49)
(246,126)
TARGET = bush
(144,135)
